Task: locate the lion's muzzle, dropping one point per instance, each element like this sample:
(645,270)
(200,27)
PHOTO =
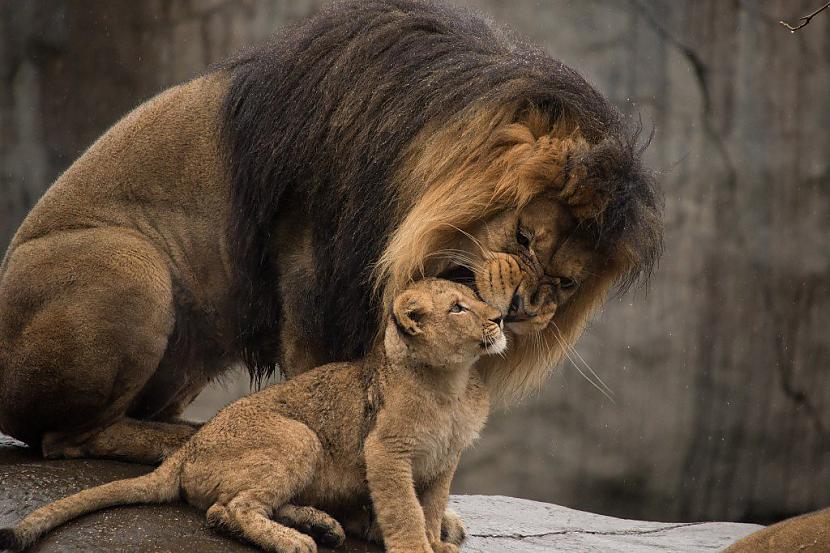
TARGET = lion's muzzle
(527,301)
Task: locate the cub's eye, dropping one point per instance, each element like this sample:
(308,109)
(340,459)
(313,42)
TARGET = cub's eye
(566,283)
(457,308)
(523,237)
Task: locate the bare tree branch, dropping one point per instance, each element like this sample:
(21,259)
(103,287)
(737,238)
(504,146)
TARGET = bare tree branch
(806,19)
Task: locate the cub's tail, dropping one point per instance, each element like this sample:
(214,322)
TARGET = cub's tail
(160,486)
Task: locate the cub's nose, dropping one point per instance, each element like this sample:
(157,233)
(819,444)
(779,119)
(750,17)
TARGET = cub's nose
(493,315)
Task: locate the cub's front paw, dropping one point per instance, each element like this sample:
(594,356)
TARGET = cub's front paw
(452,528)
(444,547)
(296,543)
(422,548)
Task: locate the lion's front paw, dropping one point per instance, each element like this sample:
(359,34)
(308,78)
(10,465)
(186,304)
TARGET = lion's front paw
(452,529)
(55,448)
(66,453)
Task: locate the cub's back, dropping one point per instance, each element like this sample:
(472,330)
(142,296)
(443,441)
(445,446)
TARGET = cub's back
(331,400)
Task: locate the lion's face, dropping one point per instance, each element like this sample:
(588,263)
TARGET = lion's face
(541,221)
(526,263)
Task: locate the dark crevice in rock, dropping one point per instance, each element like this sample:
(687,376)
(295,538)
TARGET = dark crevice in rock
(519,536)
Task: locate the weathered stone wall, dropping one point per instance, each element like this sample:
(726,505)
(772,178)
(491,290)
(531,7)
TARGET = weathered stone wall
(69,70)
(721,398)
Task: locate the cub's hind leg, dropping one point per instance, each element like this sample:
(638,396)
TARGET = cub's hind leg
(251,464)
(247,515)
(320,525)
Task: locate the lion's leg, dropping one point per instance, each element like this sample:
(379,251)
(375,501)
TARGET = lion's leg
(128,439)
(320,525)
(299,353)
(172,413)
(132,439)
(86,316)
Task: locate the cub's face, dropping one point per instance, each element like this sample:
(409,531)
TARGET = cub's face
(525,263)
(444,323)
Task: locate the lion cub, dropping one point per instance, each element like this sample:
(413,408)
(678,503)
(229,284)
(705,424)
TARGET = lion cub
(380,438)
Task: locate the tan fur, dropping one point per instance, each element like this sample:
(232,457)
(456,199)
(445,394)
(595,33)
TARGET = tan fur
(136,229)
(88,285)
(483,172)
(387,431)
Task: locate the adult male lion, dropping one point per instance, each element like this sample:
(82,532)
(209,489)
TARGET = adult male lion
(267,211)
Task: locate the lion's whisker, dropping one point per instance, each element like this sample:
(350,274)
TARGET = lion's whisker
(474,240)
(565,349)
(460,257)
(588,366)
(465,256)
(584,362)
(458,261)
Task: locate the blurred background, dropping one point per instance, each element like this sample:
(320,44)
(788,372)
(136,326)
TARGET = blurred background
(719,371)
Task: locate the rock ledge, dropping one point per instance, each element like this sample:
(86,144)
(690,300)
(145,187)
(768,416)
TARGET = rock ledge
(495,524)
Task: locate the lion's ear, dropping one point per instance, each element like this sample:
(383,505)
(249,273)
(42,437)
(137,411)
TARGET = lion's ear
(409,310)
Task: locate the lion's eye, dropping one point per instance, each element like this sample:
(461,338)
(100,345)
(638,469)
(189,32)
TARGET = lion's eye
(566,283)
(523,237)
(456,308)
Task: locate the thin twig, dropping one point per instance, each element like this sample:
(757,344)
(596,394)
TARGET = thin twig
(806,19)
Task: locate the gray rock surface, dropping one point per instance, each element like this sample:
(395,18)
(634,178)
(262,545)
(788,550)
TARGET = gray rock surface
(499,524)
(495,524)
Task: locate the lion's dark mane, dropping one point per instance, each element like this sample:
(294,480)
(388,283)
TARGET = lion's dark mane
(317,121)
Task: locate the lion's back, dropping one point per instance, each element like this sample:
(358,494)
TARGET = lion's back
(160,157)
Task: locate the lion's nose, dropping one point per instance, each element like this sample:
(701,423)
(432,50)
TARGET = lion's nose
(499,320)
(516,304)
(515,311)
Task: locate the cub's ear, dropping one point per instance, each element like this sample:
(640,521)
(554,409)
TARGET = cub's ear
(409,310)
